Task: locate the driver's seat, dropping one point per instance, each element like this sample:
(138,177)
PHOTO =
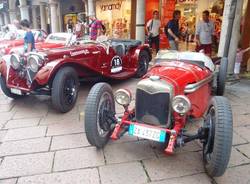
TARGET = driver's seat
(119,49)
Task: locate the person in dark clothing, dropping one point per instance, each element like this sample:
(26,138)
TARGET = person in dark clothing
(172,30)
(29,40)
(153,31)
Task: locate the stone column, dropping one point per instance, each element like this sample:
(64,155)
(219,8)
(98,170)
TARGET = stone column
(91,7)
(6,18)
(43,17)
(59,13)
(226,28)
(34,17)
(235,37)
(1,19)
(24,10)
(140,20)
(53,16)
(12,10)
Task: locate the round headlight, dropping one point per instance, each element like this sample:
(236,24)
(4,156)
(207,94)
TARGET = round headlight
(34,63)
(15,61)
(181,104)
(123,97)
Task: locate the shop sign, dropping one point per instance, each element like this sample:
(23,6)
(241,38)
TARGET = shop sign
(186,1)
(114,5)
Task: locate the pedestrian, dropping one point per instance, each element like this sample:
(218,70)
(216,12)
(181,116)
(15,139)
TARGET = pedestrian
(95,27)
(70,26)
(153,31)
(29,41)
(172,30)
(79,29)
(238,60)
(205,34)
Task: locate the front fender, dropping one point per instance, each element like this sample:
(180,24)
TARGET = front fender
(44,75)
(4,65)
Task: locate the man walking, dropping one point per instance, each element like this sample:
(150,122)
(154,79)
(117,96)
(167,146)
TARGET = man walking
(204,34)
(95,27)
(153,30)
(29,41)
(172,30)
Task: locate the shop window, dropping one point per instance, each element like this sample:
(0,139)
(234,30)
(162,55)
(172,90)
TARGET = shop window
(116,17)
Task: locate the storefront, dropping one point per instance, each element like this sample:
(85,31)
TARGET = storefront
(116,15)
(191,11)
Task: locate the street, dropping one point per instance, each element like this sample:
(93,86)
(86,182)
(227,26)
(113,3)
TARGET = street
(39,145)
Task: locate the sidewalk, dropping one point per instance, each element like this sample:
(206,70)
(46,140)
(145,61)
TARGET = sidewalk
(39,145)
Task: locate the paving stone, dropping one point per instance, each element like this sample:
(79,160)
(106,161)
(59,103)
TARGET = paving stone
(2,134)
(123,173)
(240,109)
(194,179)
(237,158)
(240,174)
(123,139)
(238,139)
(241,120)
(78,158)
(59,119)
(6,107)
(245,149)
(86,176)
(8,181)
(69,141)
(174,166)
(24,165)
(125,152)
(243,132)
(25,146)
(25,133)
(19,123)
(32,110)
(65,128)
(5,116)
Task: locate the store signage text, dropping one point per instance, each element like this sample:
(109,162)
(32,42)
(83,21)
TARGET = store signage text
(113,6)
(187,1)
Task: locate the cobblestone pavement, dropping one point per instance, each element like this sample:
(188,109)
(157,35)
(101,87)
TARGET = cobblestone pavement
(39,145)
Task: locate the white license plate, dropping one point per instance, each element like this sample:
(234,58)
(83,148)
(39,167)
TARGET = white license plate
(16,91)
(147,133)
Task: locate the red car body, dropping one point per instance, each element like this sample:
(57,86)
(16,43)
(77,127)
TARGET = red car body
(7,45)
(87,58)
(179,88)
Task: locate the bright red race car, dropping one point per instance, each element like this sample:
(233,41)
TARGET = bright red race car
(181,87)
(8,43)
(56,72)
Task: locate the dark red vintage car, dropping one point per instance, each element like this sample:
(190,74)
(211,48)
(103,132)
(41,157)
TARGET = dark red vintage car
(180,88)
(8,43)
(56,72)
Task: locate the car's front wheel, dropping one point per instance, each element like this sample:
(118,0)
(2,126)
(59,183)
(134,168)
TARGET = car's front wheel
(143,63)
(99,106)
(218,142)
(6,90)
(65,88)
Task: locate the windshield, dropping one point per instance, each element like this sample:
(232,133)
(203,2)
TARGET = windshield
(168,55)
(62,38)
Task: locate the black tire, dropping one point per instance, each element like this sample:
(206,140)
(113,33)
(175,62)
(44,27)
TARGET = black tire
(143,62)
(100,97)
(217,147)
(65,89)
(6,90)
(222,77)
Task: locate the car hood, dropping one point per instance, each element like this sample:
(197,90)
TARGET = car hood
(179,74)
(10,43)
(43,46)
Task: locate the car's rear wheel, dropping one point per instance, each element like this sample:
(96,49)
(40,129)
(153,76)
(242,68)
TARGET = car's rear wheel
(6,90)
(222,77)
(99,104)
(143,63)
(218,142)
(65,88)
